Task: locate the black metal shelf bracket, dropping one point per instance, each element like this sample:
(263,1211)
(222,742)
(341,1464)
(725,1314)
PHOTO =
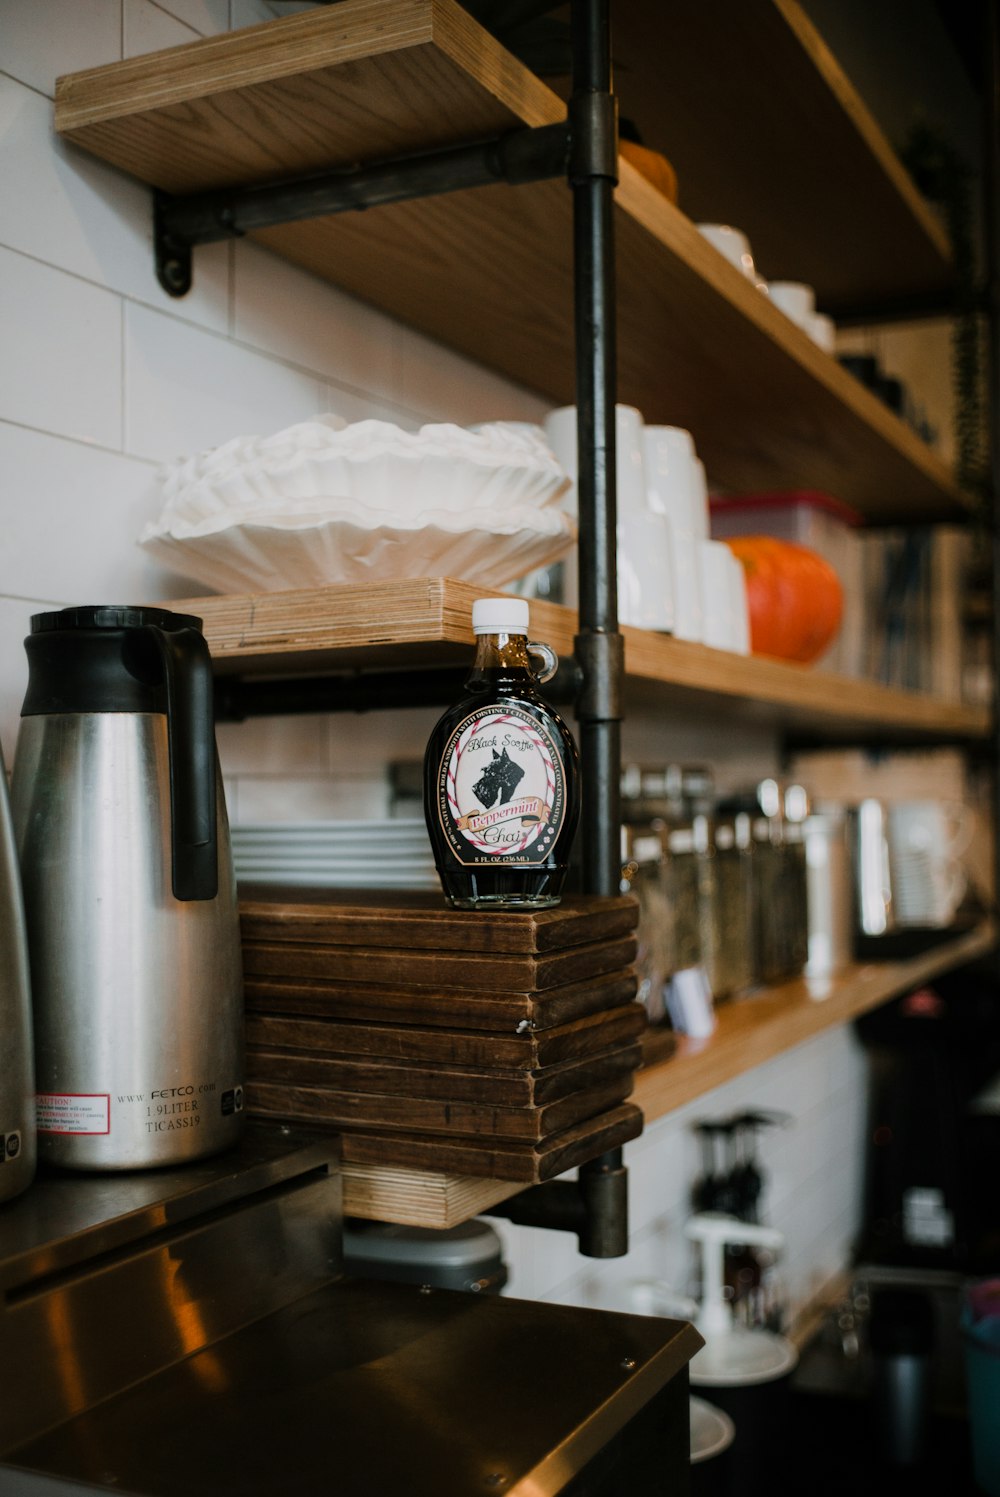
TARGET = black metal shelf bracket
(594,1206)
(179,223)
(238,698)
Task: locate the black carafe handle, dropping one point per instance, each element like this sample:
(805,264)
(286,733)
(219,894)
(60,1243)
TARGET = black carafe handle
(187,674)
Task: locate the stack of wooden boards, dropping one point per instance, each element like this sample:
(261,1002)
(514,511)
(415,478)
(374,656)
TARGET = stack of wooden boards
(498,1044)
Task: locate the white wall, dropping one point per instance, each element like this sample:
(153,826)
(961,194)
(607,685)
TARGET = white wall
(812,1187)
(103,377)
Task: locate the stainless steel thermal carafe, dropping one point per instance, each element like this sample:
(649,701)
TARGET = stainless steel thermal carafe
(129,892)
(17,1081)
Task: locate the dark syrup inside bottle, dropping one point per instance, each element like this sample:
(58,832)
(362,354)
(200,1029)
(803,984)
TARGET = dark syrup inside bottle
(501,784)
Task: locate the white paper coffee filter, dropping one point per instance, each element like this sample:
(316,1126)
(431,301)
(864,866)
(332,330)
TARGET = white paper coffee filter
(322,503)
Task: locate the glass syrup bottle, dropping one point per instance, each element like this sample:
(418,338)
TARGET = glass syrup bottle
(501,776)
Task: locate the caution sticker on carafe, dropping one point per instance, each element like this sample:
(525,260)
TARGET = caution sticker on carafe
(73,1112)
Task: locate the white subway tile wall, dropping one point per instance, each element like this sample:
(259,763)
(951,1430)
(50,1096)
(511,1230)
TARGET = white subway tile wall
(62,368)
(85,217)
(42,39)
(104,377)
(812,1190)
(146,27)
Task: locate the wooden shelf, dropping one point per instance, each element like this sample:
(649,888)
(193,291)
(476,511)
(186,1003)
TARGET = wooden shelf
(750,1031)
(767,132)
(489,271)
(390,625)
(419,1198)
(755,1029)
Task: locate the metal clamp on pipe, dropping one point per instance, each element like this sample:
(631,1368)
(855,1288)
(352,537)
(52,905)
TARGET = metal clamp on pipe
(594,1206)
(593,119)
(601,658)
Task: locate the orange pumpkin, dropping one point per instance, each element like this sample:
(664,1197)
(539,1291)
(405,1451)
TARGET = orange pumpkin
(653,165)
(795,598)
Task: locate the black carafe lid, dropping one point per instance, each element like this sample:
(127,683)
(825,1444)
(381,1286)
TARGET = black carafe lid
(117,658)
(111,616)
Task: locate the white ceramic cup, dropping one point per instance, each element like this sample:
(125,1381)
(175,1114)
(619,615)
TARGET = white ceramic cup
(732,243)
(718,616)
(828,891)
(943,827)
(926,890)
(795,299)
(645,552)
(739,608)
(823,331)
(675,488)
(926,841)
(701,520)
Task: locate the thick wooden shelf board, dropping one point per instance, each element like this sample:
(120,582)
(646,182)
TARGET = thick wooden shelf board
(489,271)
(753,1030)
(418,1198)
(767,132)
(365,80)
(427,621)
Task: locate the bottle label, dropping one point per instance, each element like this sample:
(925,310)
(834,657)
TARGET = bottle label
(501,788)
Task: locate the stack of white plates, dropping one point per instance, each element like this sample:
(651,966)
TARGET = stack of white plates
(336,854)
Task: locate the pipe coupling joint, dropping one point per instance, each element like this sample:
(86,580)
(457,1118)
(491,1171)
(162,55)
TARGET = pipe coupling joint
(593,120)
(601,658)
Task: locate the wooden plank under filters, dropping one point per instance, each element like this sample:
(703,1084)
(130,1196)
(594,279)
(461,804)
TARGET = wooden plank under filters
(419,921)
(459,1008)
(419,1198)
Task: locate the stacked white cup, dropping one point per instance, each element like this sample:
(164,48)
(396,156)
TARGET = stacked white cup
(645,560)
(677,490)
(671,576)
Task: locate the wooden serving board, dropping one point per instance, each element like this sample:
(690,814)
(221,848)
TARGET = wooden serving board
(593,1035)
(469,1008)
(417,921)
(439,1083)
(398,967)
(391,1112)
(498,1159)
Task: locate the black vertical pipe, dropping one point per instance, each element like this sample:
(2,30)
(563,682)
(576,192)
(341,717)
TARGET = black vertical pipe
(991,215)
(593,172)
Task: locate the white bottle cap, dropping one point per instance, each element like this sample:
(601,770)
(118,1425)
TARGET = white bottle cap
(500,616)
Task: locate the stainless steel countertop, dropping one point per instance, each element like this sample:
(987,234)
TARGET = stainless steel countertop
(190,1331)
(364,1388)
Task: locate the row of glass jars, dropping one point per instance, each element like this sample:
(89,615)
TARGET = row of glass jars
(721,887)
